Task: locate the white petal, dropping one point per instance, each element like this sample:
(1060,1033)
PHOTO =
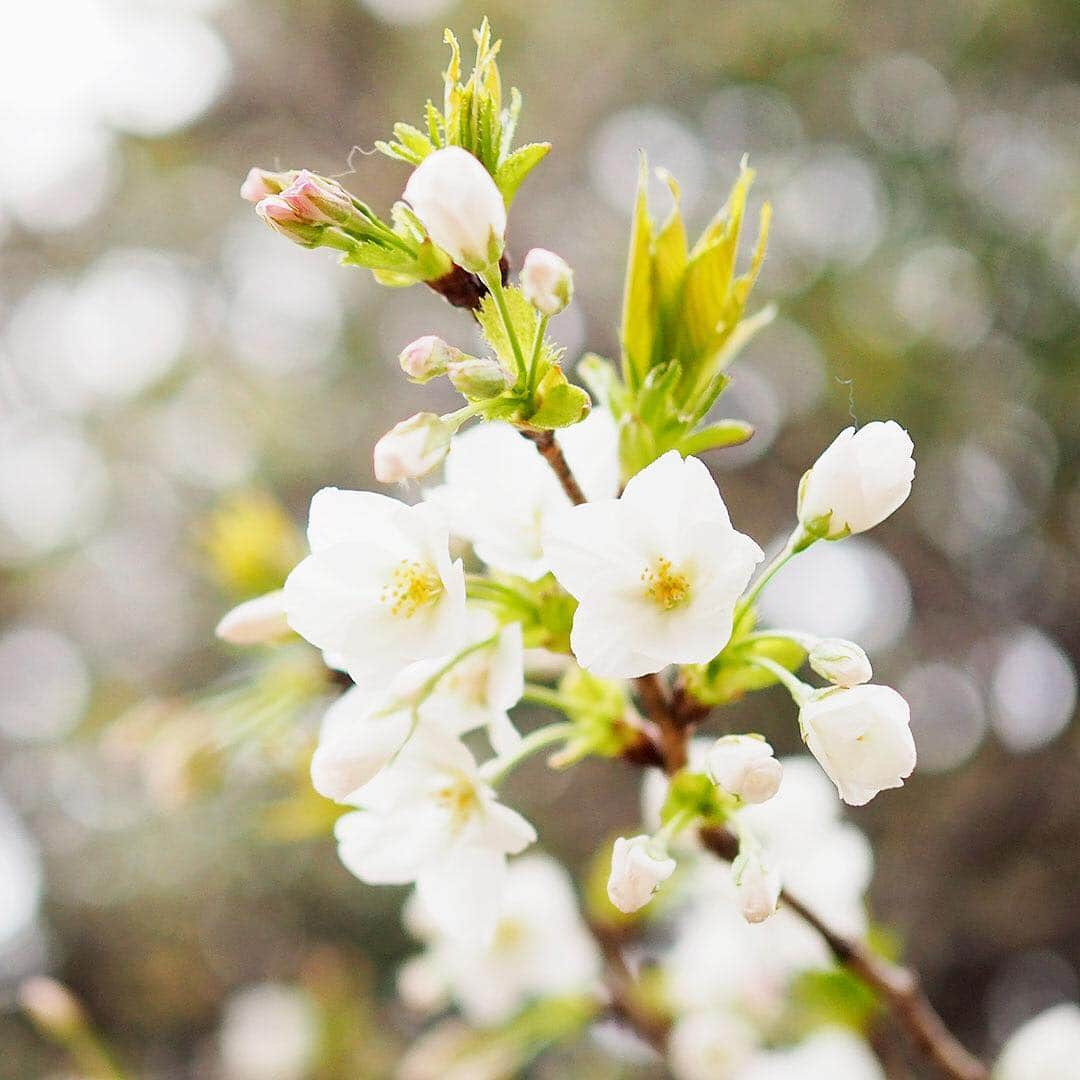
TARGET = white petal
(463,893)
(255,621)
(342,517)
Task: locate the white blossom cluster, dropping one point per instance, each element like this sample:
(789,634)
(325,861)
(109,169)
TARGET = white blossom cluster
(591,530)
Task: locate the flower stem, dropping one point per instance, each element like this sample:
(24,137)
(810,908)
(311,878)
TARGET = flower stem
(799,690)
(544,695)
(798,541)
(497,769)
(493,280)
(541,330)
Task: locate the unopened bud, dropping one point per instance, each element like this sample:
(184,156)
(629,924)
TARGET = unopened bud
(318,200)
(547,281)
(283,219)
(412,448)
(638,866)
(478,377)
(260,182)
(841,662)
(757,886)
(426,358)
(255,622)
(744,765)
(51,1006)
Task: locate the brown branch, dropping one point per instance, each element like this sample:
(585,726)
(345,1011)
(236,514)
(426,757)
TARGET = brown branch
(553,455)
(897,986)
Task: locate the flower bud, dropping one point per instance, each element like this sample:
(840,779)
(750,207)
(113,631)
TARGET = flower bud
(841,662)
(259,183)
(547,281)
(283,219)
(858,481)
(52,1006)
(426,358)
(757,886)
(318,200)
(744,765)
(638,866)
(478,377)
(255,622)
(412,448)
(1044,1048)
(861,737)
(460,207)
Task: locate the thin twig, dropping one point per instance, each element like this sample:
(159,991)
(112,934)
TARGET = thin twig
(553,455)
(898,986)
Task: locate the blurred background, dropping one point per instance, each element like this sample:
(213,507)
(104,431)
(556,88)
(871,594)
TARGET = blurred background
(176,381)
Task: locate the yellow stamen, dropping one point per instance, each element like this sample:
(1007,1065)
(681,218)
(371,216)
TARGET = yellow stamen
(412,586)
(460,799)
(665,586)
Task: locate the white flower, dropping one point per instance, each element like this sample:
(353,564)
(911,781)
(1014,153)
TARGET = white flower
(861,737)
(378,590)
(481,688)
(428,817)
(412,448)
(841,662)
(757,885)
(1045,1048)
(638,866)
(460,206)
(541,948)
(355,742)
(859,480)
(836,1053)
(710,1045)
(657,572)
(547,281)
(744,765)
(255,622)
(499,491)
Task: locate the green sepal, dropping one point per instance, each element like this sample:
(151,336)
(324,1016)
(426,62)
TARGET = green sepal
(730,675)
(696,796)
(559,403)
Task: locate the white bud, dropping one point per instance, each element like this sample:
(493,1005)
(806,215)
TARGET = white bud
(51,1006)
(638,866)
(478,377)
(547,281)
(426,358)
(744,765)
(412,448)
(255,622)
(460,206)
(841,662)
(757,886)
(858,481)
(861,737)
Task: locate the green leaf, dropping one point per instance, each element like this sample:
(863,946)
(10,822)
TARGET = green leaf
(655,399)
(517,166)
(639,299)
(715,436)
(599,375)
(416,142)
(835,997)
(559,403)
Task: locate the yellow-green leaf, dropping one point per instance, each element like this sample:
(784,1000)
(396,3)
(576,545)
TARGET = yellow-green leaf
(639,300)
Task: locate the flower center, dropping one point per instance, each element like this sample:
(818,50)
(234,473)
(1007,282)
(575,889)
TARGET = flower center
(412,586)
(509,934)
(664,585)
(460,800)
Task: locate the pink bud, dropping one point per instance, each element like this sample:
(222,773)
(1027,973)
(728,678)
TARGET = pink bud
(318,200)
(283,219)
(260,183)
(426,358)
